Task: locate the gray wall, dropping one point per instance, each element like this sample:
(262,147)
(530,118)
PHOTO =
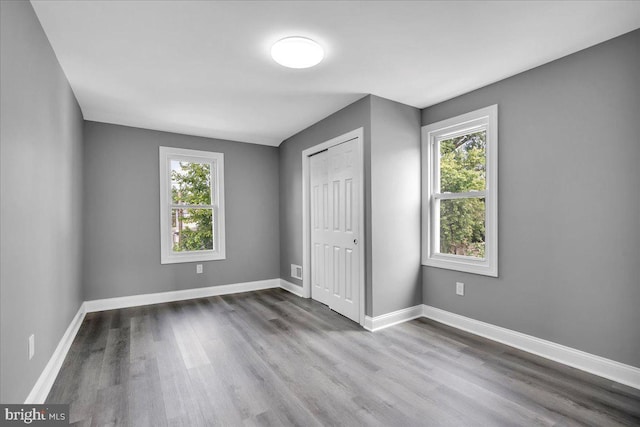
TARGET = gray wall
(352,117)
(40,152)
(392,198)
(122,224)
(569,204)
(395,206)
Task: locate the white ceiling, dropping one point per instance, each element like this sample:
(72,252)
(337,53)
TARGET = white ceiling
(203,67)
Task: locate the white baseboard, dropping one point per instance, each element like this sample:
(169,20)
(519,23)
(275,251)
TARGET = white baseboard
(597,365)
(610,369)
(380,322)
(293,288)
(43,385)
(41,389)
(607,368)
(161,297)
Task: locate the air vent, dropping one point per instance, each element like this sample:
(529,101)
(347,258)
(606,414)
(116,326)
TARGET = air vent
(296,271)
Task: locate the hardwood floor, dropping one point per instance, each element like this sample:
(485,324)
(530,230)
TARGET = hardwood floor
(271,358)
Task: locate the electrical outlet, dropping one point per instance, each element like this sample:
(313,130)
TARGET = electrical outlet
(198,268)
(32,346)
(459,288)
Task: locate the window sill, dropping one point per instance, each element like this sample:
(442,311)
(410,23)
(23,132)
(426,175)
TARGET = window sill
(467,265)
(192,257)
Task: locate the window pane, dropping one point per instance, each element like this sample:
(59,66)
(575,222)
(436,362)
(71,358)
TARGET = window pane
(190,183)
(192,229)
(462,227)
(463,163)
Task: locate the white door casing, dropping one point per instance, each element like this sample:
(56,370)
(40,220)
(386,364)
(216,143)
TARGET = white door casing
(334,250)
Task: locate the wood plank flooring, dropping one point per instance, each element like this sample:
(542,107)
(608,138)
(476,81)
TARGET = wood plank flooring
(271,358)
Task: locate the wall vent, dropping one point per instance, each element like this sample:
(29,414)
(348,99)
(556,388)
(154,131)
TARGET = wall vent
(296,271)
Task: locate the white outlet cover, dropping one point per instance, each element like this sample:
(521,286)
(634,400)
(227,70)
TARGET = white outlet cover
(198,268)
(459,288)
(32,346)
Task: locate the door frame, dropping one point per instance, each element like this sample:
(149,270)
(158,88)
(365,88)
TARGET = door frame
(358,135)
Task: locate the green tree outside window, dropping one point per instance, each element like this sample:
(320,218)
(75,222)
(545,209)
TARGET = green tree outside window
(463,169)
(192,226)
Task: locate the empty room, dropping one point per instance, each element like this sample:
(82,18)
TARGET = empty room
(310,213)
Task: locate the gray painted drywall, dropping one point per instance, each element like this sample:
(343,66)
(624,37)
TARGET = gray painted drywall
(122,224)
(395,206)
(352,117)
(569,204)
(392,198)
(40,152)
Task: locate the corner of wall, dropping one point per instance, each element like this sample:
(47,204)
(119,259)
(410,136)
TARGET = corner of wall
(395,206)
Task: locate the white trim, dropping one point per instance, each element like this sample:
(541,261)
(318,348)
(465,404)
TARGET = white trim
(596,365)
(160,297)
(485,118)
(384,321)
(43,385)
(607,368)
(357,134)
(293,288)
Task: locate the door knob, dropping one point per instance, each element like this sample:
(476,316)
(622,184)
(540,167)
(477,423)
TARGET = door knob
(355,241)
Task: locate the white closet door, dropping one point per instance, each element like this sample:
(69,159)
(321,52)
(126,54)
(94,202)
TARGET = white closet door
(335,257)
(320,235)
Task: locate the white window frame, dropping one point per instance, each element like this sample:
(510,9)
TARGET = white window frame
(482,119)
(167,255)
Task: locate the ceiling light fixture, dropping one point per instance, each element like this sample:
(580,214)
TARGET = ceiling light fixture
(297,52)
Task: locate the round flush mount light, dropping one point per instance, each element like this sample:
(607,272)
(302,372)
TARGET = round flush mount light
(297,52)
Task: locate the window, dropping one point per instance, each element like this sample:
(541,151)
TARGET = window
(191,205)
(460,193)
